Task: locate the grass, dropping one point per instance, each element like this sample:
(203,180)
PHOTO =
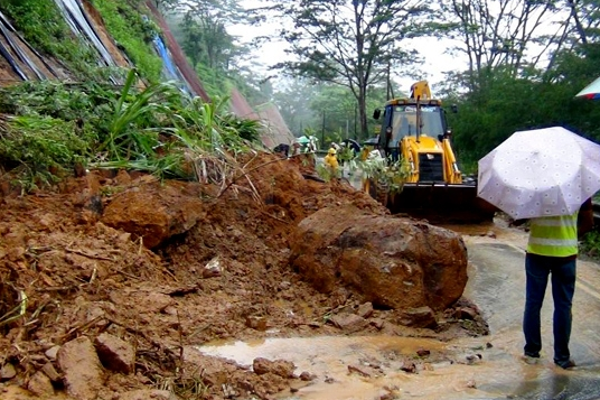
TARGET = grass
(158,130)
(38,150)
(134,33)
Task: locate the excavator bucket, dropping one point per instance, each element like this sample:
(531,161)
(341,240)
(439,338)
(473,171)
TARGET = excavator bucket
(442,203)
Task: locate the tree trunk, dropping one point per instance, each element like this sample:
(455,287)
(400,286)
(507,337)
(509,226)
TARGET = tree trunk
(362,113)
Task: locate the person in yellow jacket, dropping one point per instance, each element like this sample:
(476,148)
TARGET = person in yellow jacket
(552,251)
(331,161)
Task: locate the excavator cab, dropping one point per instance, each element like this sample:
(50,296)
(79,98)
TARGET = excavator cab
(416,130)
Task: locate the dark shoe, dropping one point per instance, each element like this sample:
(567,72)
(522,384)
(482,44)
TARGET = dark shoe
(567,365)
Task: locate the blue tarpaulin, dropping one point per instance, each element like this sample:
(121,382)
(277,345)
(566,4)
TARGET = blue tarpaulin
(170,70)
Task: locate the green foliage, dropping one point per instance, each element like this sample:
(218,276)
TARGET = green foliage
(135,33)
(326,173)
(38,150)
(56,100)
(504,104)
(214,81)
(386,174)
(247,129)
(159,130)
(200,26)
(353,48)
(590,245)
(44,27)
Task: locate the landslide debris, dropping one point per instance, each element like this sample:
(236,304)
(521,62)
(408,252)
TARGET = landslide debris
(122,273)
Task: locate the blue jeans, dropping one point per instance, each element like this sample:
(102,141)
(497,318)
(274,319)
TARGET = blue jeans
(563,287)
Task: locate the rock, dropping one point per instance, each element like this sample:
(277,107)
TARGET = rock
(378,323)
(391,262)
(81,367)
(306,376)
(7,372)
(115,354)
(473,358)
(385,395)
(349,323)
(40,385)
(258,323)
(282,368)
(213,268)
(51,373)
(423,352)
(409,366)
(285,285)
(51,352)
(421,317)
(154,211)
(466,313)
(148,394)
(365,310)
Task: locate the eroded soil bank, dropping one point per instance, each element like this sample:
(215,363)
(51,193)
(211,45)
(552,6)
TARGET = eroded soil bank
(99,296)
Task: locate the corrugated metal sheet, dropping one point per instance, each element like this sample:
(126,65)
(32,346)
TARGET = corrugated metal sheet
(80,24)
(277,131)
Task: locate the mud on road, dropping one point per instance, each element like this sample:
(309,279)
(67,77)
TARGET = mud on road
(82,290)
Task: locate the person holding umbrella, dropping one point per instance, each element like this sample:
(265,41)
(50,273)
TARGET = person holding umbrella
(545,175)
(552,251)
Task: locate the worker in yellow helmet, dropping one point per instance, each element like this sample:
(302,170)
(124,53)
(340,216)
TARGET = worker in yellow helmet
(331,161)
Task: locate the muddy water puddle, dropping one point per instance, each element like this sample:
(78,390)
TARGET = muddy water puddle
(465,369)
(462,369)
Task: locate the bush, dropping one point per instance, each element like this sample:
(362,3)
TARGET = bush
(37,150)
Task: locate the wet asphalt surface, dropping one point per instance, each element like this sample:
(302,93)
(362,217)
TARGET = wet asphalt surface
(497,285)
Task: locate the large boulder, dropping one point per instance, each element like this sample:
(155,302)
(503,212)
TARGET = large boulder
(392,262)
(154,211)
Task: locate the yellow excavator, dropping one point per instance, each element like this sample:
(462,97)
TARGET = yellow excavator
(415,131)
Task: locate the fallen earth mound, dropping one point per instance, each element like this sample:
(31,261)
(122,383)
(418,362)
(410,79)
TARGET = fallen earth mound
(108,280)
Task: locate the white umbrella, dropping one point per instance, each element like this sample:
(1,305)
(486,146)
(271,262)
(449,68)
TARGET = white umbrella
(542,172)
(591,91)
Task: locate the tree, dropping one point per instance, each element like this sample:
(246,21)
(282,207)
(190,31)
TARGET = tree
(201,28)
(293,99)
(350,42)
(496,33)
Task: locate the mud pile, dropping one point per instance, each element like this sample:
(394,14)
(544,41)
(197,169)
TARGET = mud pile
(122,274)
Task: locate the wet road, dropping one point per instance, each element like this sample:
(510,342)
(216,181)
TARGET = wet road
(496,285)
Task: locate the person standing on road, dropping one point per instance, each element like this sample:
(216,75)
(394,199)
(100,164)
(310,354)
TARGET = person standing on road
(331,161)
(552,250)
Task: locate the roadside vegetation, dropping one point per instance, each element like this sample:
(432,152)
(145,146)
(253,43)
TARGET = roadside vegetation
(54,128)
(133,31)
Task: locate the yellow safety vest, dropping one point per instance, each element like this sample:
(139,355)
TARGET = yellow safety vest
(553,236)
